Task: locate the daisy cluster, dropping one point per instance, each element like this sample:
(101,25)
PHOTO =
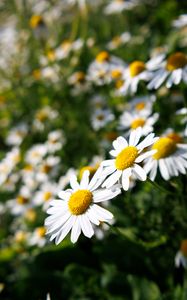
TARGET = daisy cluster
(88,118)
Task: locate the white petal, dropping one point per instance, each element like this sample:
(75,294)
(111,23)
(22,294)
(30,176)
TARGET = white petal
(154,170)
(163,169)
(64,195)
(102,214)
(85,180)
(76,231)
(149,140)
(112,179)
(73,182)
(125,178)
(140,172)
(86,226)
(92,216)
(58,223)
(145,155)
(135,136)
(65,229)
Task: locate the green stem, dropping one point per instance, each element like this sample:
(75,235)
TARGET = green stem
(163,190)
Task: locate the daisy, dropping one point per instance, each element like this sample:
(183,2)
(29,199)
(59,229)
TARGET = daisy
(170,158)
(17,134)
(78,208)
(38,26)
(181,21)
(130,121)
(141,105)
(183,112)
(117,6)
(138,71)
(36,154)
(55,141)
(64,50)
(100,69)
(37,238)
(173,70)
(45,194)
(101,117)
(118,41)
(127,159)
(181,256)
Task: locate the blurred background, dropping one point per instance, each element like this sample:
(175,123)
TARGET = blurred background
(50,128)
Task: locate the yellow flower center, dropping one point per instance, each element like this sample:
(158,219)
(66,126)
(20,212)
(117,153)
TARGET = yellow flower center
(30,215)
(51,55)
(136,68)
(116,74)
(183,247)
(46,169)
(176,137)
(22,200)
(80,201)
(28,168)
(102,57)
(36,74)
(66,45)
(140,106)
(20,236)
(116,41)
(165,147)
(111,135)
(40,231)
(42,115)
(176,61)
(2,100)
(119,84)
(80,77)
(126,158)
(91,169)
(137,123)
(36,21)
(47,196)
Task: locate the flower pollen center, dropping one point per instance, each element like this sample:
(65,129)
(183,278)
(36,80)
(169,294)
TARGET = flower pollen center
(140,106)
(80,201)
(137,123)
(102,57)
(136,68)
(183,247)
(176,61)
(126,158)
(165,147)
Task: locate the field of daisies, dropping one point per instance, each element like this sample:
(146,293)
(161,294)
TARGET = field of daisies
(93,150)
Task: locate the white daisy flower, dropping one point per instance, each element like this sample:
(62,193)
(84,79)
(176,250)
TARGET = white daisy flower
(173,70)
(79,208)
(101,117)
(183,112)
(138,71)
(130,121)
(170,158)
(118,41)
(17,134)
(55,141)
(36,154)
(37,238)
(127,159)
(99,71)
(181,21)
(66,47)
(45,194)
(117,6)
(141,105)
(181,256)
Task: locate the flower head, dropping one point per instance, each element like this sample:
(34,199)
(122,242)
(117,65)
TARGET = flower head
(78,209)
